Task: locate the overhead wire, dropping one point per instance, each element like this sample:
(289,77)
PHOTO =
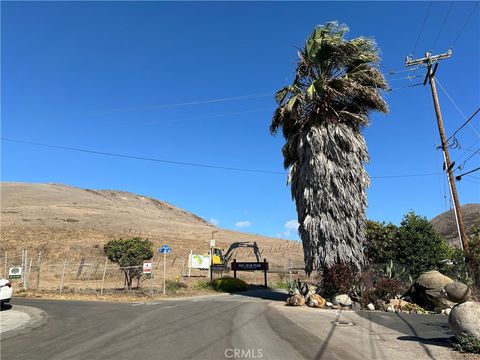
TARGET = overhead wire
(459,177)
(461,166)
(443,24)
(206,117)
(144,158)
(174,105)
(463,125)
(465,24)
(423,26)
(456,106)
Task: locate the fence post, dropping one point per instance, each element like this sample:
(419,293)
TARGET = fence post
(28,274)
(6,256)
(63,275)
(190,263)
(38,270)
(103,277)
(22,277)
(151,282)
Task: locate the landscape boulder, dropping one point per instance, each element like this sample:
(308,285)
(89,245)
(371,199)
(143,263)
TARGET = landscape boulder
(342,300)
(370,307)
(316,301)
(380,305)
(398,303)
(464,319)
(427,291)
(356,306)
(296,300)
(457,292)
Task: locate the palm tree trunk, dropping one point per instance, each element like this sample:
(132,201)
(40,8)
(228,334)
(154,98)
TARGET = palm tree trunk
(329,183)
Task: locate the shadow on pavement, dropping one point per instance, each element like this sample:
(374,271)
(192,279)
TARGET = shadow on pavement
(265,293)
(6,307)
(446,342)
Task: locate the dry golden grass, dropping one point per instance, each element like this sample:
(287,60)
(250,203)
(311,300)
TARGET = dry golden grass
(58,223)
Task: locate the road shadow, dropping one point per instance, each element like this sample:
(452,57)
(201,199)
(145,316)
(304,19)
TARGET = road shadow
(443,341)
(265,294)
(6,307)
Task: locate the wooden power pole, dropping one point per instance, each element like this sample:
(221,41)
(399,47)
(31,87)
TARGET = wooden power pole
(431,61)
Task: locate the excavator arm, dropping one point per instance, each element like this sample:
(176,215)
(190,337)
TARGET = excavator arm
(241,244)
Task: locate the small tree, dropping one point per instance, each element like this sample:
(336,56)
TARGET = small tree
(380,244)
(129,255)
(418,247)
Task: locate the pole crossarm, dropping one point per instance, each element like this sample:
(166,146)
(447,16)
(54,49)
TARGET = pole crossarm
(429,59)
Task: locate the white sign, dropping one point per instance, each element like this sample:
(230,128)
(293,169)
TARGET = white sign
(197,261)
(212,243)
(15,272)
(147,266)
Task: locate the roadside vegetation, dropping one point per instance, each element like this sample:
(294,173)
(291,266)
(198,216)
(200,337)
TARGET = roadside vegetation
(467,344)
(129,254)
(229,284)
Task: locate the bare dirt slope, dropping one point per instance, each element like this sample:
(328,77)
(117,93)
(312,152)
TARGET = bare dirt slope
(68,222)
(445,224)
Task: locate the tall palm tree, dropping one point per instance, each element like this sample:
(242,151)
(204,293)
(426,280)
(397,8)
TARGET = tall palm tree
(321,114)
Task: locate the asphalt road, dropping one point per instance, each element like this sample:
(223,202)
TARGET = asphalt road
(220,327)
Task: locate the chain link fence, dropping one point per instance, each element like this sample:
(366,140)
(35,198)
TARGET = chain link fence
(97,275)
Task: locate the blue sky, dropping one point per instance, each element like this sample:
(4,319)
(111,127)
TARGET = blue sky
(98,76)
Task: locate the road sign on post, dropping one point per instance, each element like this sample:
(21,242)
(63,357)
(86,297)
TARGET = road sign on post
(15,272)
(250,266)
(147,267)
(164,249)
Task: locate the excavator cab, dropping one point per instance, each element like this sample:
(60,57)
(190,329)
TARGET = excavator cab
(217,256)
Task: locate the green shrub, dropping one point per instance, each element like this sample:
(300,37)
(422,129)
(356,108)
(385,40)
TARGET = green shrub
(173,286)
(468,344)
(229,284)
(281,285)
(202,285)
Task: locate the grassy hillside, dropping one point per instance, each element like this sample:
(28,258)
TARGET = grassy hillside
(446,226)
(64,222)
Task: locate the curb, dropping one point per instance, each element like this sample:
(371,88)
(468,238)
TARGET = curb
(37,318)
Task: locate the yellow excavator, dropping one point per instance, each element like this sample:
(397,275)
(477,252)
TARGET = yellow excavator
(218,258)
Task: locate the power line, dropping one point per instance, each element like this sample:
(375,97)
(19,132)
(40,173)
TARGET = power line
(459,167)
(465,24)
(174,105)
(423,26)
(459,177)
(465,123)
(456,106)
(470,149)
(199,117)
(443,25)
(133,157)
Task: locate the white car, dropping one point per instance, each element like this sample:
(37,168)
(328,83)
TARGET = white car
(5,291)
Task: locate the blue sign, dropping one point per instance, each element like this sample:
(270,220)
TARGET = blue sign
(164,249)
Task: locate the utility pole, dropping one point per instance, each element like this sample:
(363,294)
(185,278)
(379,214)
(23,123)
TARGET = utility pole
(431,61)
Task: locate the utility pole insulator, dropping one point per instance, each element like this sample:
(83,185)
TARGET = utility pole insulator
(432,61)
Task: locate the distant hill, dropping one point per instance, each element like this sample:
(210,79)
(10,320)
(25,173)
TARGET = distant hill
(446,226)
(68,222)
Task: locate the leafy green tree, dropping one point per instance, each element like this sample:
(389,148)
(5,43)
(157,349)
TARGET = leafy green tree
(457,268)
(321,114)
(380,242)
(129,255)
(418,247)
